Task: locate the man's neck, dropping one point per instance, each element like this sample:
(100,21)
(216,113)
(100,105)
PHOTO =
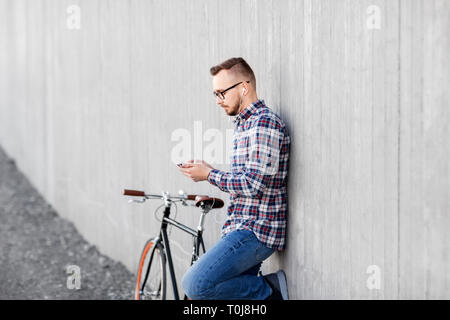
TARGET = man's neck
(247,102)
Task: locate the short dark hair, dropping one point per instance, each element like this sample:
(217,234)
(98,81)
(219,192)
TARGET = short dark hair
(239,66)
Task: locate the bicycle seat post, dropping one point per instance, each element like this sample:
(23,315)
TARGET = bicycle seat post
(201,222)
(205,210)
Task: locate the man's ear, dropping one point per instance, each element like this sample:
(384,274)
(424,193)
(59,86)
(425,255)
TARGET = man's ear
(245,88)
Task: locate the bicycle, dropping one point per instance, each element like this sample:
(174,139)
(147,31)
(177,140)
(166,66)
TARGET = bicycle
(152,284)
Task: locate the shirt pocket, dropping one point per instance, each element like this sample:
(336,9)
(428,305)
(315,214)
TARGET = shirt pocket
(240,152)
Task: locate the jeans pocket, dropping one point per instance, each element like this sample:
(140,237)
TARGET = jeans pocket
(246,236)
(263,252)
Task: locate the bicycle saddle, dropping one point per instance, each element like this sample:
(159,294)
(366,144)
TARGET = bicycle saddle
(215,203)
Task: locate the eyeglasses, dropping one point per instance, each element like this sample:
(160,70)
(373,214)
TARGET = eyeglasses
(221,94)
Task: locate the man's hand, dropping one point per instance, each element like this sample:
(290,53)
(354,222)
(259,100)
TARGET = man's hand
(196,170)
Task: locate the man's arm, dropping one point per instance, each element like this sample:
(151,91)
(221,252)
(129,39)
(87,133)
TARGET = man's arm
(262,163)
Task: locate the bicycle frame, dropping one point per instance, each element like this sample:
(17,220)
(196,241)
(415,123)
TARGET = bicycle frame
(161,242)
(197,237)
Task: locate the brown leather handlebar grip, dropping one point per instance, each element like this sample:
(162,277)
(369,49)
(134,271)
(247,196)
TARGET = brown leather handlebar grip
(135,193)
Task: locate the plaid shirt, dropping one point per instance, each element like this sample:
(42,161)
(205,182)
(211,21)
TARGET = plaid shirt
(257,182)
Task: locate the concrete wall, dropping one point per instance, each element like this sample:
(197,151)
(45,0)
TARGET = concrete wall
(362,85)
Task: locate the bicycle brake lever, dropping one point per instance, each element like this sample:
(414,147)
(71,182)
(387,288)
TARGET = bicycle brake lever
(137,201)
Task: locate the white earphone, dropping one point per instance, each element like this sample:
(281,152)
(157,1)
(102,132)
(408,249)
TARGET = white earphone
(240,99)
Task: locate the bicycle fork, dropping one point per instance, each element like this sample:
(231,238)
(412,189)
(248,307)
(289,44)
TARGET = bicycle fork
(169,255)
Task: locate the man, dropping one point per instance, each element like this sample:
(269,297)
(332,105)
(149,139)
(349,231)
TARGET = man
(257,183)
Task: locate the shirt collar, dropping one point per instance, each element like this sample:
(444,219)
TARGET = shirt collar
(249,110)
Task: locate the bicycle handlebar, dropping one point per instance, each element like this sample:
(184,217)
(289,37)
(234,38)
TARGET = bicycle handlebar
(202,201)
(137,193)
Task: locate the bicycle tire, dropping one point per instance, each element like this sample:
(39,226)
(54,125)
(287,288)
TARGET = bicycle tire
(151,275)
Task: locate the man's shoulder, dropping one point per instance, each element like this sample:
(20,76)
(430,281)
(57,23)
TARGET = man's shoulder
(266,117)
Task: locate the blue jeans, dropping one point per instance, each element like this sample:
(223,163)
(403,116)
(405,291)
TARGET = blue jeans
(229,270)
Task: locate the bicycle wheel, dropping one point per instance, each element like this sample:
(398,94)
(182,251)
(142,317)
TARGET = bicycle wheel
(151,275)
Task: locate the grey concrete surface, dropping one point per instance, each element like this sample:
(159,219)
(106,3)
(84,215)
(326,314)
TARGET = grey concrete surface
(88,112)
(41,254)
